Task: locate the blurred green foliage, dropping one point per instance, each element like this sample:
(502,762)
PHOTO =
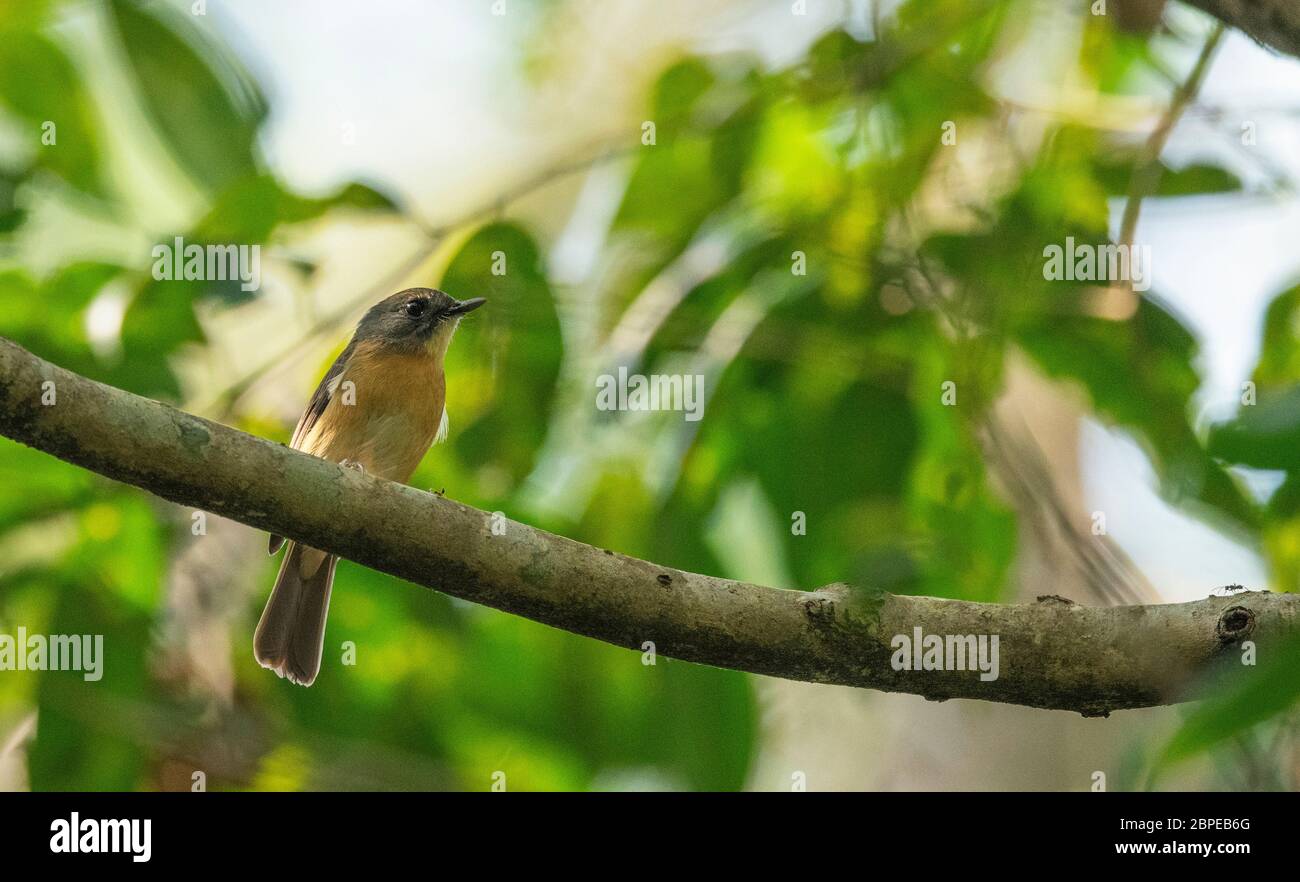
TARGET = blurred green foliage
(824,397)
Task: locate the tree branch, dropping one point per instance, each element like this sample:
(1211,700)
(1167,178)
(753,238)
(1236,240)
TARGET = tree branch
(1274,23)
(1053,654)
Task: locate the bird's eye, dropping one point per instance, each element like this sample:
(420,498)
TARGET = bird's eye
(416,308)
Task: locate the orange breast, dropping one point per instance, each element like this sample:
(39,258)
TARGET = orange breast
(384,414)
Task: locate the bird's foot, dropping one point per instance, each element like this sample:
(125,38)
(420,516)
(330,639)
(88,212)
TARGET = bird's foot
(352,464)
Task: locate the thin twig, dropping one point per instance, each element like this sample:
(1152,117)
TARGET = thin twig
(1146,174)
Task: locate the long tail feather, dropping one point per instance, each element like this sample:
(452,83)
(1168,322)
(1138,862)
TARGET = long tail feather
(291,633)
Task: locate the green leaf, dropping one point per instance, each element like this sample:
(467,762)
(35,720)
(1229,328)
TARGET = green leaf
(678,91)
(62,486)
(1191,180)
(11,216)
(30,13)
(93,735)
(249,209)
(1139,373)
(49,318)
(158,321)
(822,435)
(1279,357)
(506,358)
(202,102)
(966,534)
(41,86)
(1233,704)
(1265,435)
(550,693)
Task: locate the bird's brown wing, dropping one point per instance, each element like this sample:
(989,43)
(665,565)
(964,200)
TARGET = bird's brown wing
(320,400)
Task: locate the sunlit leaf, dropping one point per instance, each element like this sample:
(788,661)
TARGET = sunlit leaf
(1279,357)
(198,96)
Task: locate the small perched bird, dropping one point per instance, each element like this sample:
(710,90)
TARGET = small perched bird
(379,408)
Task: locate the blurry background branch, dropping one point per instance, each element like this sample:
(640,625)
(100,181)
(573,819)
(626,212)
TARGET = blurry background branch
(1275,23)
(1146,176)
(1052,654)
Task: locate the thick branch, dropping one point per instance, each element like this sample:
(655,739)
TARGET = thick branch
(1053,654)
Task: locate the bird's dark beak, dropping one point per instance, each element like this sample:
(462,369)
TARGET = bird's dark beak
(464,306)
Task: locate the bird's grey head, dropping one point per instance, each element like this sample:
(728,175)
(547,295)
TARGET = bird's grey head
(415,320)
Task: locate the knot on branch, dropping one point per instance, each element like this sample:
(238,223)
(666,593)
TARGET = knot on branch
(820,610)
(1235,623)
(1056,598)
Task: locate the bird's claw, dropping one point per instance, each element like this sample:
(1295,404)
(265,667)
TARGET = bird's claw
(353,464)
